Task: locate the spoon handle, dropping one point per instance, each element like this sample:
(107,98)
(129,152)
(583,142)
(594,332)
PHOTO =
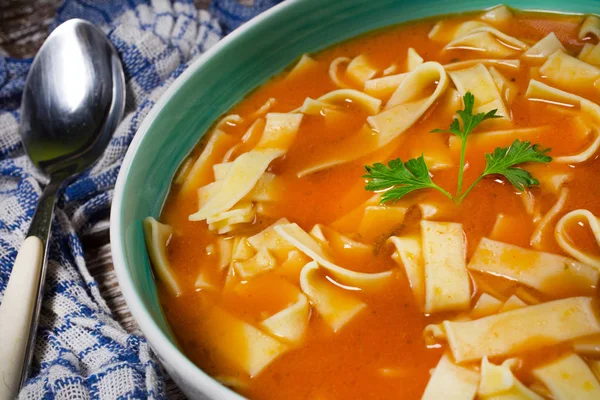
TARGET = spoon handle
(20,308)
(15,315)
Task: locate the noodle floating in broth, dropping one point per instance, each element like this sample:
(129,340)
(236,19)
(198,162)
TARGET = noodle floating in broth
(463,265)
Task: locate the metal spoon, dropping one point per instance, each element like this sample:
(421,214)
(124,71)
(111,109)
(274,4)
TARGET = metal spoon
(73,100)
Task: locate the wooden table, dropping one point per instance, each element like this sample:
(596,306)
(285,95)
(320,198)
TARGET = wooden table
(23,27)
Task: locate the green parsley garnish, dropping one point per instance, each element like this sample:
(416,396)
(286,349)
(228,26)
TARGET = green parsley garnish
(402,178)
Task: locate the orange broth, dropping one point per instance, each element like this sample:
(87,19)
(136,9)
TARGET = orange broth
(390,333)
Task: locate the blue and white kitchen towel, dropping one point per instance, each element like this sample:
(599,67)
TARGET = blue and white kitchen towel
(82,352)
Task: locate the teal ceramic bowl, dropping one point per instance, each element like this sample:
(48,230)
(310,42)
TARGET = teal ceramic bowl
(209,88)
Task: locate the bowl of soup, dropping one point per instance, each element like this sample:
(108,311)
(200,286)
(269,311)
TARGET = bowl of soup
(374,200)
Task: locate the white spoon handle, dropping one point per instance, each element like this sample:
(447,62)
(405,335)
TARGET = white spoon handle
(15,314)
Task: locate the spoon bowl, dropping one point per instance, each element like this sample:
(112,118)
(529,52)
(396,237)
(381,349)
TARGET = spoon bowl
(73,100)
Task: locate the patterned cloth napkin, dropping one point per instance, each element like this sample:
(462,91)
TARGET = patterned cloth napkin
(81,351)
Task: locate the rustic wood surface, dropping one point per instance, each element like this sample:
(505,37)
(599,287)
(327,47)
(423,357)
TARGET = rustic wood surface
(23,27)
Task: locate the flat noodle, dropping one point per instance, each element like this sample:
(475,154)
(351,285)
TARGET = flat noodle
(539,91)
(590,54)
(409,93)
(292,266)
(413,59)
(220,170)
(488,43)
(314,107)
(241,344)
(480,83)
(430,210)
(224,250)
(450,381)
(263,261)
(497,15)
(498,382)
(182,171)
(562,236)
(385,86)
(289,324)
(486,305)
(403,109)
(228,120)
(305,64)
(267,189)
(433,334)
(340,243)
(512,64)
(262,110)
(409,255)
(527,296)
(488,141)
(250,138)
(392,69)
(241,211)
(227,221)
(552,179)
(242,250)
(479,36)
(369,103)
(590,27)
(279,132)
(379,221)
(204,282)
(440,33)
(360,70)
(569,378)
(469,27)
(271,240)
(157,237)
(530,327)
(507,89)
(232,382)
(545,47)
(563,70)
(444,31)
(548,273)
(309,246)
(243,175)
(536,236)
(334,304)
(254,133)
(200,172)
(333,71)
(584,155)
(513,303)
(447,283)
(482,286)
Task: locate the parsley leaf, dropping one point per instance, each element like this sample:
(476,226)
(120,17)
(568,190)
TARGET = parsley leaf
(503,160)
(469,121)
(400,178)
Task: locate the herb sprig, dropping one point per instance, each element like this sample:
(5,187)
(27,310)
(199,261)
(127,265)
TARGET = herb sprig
(398,178)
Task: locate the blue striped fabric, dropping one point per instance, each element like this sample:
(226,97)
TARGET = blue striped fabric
(82,352)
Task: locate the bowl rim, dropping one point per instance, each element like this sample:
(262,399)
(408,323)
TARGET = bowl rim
(161,345)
